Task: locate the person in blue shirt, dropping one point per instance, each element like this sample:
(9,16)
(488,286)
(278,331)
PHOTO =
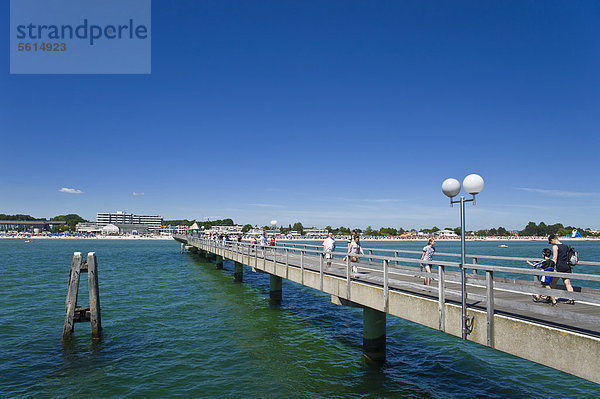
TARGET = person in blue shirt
(548,265)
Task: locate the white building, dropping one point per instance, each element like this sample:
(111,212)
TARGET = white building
(120,217)
(446,233)
(315,232)
(169,230)
(110,229)
(85,227)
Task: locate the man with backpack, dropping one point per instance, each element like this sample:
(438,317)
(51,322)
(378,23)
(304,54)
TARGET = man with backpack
(560,256)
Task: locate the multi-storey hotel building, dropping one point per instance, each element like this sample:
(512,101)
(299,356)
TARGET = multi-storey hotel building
(120,217)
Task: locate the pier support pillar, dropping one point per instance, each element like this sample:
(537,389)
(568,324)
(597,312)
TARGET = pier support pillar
(373,334)
(238,272)
(275,289)
(219,262)
(182,248)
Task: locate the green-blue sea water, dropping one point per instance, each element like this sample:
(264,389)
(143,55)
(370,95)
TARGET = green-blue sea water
(174,326)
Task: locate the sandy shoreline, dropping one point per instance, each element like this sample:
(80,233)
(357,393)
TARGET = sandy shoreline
(133,238)
(164,238)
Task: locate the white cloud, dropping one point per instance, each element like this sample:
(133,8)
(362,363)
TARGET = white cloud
(70,191)
(559,193)
(137,194)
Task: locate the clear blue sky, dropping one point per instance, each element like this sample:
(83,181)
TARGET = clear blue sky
(328,113)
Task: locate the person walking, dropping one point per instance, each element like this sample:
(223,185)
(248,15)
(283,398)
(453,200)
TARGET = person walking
(547,265)
(559,257)
(328,248)
(427,257)
(354,250)
(350,241)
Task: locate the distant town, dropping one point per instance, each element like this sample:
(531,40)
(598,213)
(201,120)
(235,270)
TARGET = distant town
(124,224)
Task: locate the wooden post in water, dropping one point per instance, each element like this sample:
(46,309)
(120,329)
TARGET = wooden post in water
(72,291)
(94,292)
(79,314)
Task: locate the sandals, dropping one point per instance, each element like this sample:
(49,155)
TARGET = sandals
(536,298)
(570,302)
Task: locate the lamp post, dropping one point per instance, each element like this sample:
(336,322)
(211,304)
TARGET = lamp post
(473,184)
(273,226)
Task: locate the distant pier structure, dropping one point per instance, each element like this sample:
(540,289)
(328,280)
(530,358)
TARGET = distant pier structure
(499,311)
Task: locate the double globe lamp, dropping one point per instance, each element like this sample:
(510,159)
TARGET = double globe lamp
(472,184)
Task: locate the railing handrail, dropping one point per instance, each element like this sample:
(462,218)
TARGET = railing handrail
(471,266)
(472,256)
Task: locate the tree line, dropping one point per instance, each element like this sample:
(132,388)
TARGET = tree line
(531,229)
(70,220)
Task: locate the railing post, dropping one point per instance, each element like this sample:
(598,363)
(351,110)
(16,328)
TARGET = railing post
(396,255)
(370,253)
(348,267)
(302,267)
(474,262)
(321,270)
(489,294)
(287,262)
(441,298)
(274,259)
(385,284)
(255,259)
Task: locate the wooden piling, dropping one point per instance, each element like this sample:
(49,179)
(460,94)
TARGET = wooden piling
(73,313)
(72,291)
(95,321)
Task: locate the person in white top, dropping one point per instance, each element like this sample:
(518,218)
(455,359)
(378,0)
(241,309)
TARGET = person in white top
(328,248)
(263,240)
(427,256)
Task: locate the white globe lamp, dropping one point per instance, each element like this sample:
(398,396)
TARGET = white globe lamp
(451,187)
(473,184)
(273,223)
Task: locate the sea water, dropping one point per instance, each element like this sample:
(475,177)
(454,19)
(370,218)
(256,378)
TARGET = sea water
(174,326)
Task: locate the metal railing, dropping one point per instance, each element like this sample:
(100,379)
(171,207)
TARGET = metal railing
(392,270)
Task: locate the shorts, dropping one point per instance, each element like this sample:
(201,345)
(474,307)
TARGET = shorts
(328,255)
(563,268)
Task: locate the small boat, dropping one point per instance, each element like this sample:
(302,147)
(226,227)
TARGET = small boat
(29,240)
(502,246)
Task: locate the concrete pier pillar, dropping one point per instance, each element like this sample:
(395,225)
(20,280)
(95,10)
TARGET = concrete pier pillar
(238,271)
(182,248)
(219,262)
(275,289)
(373,334)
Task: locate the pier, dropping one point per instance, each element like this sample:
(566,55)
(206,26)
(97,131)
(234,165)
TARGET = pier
(499,311)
